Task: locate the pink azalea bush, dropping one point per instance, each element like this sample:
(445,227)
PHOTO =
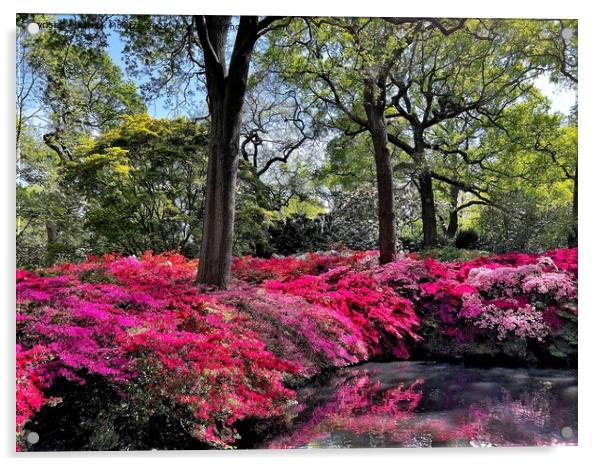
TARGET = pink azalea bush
(257,270)
(382,318)
(30,385)
(215,358)
(516,305)
(153,332)
(316,336)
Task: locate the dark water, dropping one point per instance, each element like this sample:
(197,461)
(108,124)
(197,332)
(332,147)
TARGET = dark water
(415,404)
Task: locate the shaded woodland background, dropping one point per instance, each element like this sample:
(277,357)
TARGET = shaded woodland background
(311,133)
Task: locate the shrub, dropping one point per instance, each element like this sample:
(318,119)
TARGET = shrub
(467,239)
(451,254)
(383,319)
(299,233)
(521,306)
(152,333)
(141,328)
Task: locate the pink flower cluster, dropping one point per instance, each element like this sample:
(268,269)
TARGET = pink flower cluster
(316,336)
(256,270)
(530,278)
(222,356)
(523,322)
(30,384)
(382,319)
(152,331)
(505,293)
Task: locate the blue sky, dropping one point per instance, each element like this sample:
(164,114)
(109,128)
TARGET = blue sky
(157,107)
(562,99)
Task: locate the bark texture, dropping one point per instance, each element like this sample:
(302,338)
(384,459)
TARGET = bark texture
(429,213)
(374,105)
(452,225)
(226,87)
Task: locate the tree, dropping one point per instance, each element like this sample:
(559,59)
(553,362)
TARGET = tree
(449,74)
(277,123)
(344,62)
(178,53)
(560,54)
(143,183)
(400,78)
(226,87)
(522,162)
(79,91)
(42,200)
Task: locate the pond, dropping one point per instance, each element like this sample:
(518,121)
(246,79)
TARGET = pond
(419,404)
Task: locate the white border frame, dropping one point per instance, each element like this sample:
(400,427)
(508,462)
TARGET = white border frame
(590,227)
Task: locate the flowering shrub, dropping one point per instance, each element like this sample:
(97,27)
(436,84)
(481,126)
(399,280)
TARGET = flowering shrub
(256,270)
(523,322)
(294,329)
(380,316)
(495,305)
(213,358)
(30,385)
(153,332)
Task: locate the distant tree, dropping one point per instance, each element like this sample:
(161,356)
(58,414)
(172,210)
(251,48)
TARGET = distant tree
(143,183)
(399,79)
(523,165)
(447,75)
(42,200)
(78,90)
(344,62)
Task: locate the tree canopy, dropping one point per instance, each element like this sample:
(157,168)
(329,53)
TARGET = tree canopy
(389,133)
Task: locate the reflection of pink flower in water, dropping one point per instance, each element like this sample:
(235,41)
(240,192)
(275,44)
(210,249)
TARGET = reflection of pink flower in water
(535,408)
(363,407)
(510,421)
(359,405)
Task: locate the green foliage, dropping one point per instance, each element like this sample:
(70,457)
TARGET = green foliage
(347,165)
(143,183)
(527,226)
(564,341)
(69,89)
(82,87)
(467,239)
(100,175)
(43,203)
(525,168)
(452,254)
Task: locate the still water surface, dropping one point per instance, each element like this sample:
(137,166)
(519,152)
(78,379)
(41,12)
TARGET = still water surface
(417,404)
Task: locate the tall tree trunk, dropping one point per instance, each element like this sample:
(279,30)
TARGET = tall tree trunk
(226,87)
(218,222)
(429,214)
(452,226)
(52,236)
(573,235)
(52,233)
(386,203)
(425,187)
(374,105)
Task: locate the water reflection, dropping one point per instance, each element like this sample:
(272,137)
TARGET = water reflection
(414,404)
